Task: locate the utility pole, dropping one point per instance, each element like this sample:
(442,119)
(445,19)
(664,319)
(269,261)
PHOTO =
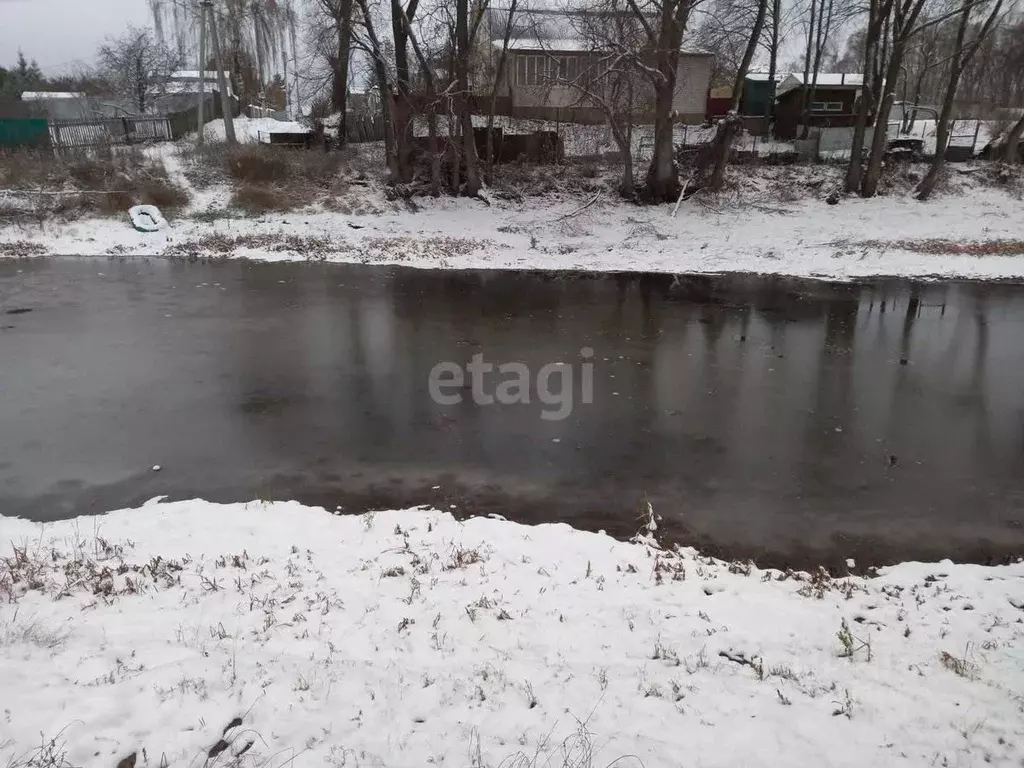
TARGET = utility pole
(225,100)
(202,71)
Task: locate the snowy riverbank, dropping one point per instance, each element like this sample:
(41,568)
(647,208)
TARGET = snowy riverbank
(773,220)
(407,639)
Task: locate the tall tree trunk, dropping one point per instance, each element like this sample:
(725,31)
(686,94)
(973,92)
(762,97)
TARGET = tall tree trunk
(821,39)
(880,138)
(404,112)
(733,122)
(465,110)
(808,68)
(927,185)
(773,61)
(962,54)
(662,182)
(339,83)
(386,99)
(431,85)
(222,81)
(499,76)
(1011,149)
(627,186)
(867,97)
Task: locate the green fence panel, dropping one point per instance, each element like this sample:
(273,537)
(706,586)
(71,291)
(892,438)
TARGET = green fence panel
(24,132)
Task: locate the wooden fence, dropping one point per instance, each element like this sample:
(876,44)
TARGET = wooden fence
(86,133)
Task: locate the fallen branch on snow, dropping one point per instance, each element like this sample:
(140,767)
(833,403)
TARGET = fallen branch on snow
(579,210)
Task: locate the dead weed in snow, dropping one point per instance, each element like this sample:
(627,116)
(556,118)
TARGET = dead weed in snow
(23,248)
(959,665)
(98,568)
(266,178)
(462,557)
(221,245)
(103,181)
(942,247)
(51,753)
(406,247)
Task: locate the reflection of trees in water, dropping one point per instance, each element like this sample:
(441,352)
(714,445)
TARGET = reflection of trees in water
(683,333)
(831,428)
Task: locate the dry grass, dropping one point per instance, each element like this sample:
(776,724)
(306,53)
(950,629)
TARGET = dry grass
(940,246)
(220,245)
(103,181)
(51,753)
(268,178)
(256,199)
(959,665)
(462,557)
(515,181)
(22,248)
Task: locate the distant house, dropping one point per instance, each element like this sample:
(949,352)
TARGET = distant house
(187,81)
(759,92)
(60,105)
(181,92)
(833,102)
(539,78)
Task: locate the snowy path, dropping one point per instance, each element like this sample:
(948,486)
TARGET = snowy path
(408,639)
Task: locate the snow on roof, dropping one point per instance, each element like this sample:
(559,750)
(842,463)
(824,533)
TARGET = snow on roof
(567,44)
(534,44)
(43,95)
(179,87)
(193,74)
(762,77)
(827,79)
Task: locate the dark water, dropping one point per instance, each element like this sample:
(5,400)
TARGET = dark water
(785,419)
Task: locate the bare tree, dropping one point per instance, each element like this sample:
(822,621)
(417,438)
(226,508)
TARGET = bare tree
(463,54)
(827,18)
(336,49)
(662,24)
(498,79)
(724,30)
(773,38)
(434,100)
(905,24)
(138,66)
(873,66)
(964,50)
(728,127)
(369,42)
(1011,142)
(609,79)
(255,33)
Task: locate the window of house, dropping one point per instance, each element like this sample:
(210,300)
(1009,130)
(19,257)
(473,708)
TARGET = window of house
(530,69)
(520,70)
(543,68)
(568,68)
(826,106)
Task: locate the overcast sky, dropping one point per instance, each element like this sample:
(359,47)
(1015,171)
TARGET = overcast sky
(59,33)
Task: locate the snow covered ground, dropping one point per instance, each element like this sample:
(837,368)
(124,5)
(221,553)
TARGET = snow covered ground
(772,219)
(249,130)
(272,634)
(804,237)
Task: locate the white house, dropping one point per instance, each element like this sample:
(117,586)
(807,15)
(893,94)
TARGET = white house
(549,78)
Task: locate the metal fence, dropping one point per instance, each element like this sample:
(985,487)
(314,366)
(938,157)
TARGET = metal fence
(88,132)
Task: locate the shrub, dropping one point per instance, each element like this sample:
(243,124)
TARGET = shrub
(257,163)
(100,181)
(259,198)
